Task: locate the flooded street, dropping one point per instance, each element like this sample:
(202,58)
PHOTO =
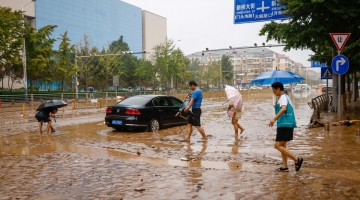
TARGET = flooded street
(84,159)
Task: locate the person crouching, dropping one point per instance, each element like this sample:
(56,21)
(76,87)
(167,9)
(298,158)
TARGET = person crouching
(44,116)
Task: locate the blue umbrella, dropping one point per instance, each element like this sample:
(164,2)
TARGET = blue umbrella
(267,78)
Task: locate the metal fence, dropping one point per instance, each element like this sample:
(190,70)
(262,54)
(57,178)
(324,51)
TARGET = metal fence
(21,105)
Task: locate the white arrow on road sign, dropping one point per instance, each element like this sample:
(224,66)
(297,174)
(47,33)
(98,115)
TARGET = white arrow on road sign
(342,61)
(340,39)
(340,64)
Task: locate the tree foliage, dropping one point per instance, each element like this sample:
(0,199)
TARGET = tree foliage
(311,23)
(39,54)
(11,43)
(65,65)
(84,59)
(169,63)
(227,69)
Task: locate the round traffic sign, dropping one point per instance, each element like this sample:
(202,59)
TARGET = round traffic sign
(340,64)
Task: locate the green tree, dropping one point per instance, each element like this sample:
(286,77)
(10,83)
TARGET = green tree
(179,65)
(119,45)
(126,64)
(39,53)
(227,69)
(212,73)
(309,28)
(144,71)
(86,64)
(11,43)
(106,71)
(311,23)
(169,62)
(65,66)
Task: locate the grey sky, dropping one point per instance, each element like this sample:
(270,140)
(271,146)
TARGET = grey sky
(209,23)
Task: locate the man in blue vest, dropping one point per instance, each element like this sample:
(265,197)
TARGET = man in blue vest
(194,119)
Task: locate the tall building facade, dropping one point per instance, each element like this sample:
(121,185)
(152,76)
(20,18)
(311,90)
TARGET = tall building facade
(103,21)
(154,31)
(250,62)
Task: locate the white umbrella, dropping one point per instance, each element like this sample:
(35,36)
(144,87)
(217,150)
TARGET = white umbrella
(234,95)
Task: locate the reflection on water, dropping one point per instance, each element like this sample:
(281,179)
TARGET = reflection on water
(244,167)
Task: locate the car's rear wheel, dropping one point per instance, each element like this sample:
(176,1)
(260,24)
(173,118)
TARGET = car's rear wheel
(154,125)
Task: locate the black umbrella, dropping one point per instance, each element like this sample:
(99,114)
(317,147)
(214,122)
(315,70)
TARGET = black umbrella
(52,104)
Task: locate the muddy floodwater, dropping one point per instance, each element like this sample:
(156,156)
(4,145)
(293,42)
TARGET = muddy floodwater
(84,159)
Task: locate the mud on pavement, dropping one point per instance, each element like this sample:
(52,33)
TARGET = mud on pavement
(84,159)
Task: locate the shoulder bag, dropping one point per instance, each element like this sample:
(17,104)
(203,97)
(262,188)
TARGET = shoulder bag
(287,119)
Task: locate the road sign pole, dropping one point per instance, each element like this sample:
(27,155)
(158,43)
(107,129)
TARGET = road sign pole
(340,40)
(76,80)
(339,97)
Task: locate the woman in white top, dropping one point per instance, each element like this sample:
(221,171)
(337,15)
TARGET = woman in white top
(286,123)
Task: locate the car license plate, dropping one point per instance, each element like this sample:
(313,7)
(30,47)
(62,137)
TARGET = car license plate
(118,122)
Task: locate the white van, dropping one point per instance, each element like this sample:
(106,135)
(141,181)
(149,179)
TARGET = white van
(287,86)
(304,86)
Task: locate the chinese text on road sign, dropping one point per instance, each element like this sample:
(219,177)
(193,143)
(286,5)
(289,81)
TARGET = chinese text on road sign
(340,39)
(248,11)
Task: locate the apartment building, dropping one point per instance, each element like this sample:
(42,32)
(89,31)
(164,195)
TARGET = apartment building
(249,62)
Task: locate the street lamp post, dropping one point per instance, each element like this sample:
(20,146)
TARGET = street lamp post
(234,52)
(172,77)
(24,50)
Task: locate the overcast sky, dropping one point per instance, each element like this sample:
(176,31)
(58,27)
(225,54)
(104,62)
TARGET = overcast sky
(209,23)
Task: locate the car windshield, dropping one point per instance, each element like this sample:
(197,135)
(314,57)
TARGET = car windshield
(134,101)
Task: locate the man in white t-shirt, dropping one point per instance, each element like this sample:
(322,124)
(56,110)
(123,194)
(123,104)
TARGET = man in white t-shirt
(285,128)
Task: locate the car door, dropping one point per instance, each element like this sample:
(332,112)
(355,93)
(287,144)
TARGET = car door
(163,109)
(175,106)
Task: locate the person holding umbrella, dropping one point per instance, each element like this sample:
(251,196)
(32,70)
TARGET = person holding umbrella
(44,116)
(236,115)
(285,117)
(234,108)
(46,110)
(91,90)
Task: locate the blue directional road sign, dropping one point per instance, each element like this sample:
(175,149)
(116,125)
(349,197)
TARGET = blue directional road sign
(248,11)
(73,79)
(318,64)
(326,73)
(340,64)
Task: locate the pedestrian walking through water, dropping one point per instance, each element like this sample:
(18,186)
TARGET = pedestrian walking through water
(285,117)
(194,118)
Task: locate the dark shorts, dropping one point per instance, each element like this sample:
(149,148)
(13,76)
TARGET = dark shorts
(284,134)
(42,117)
(194,118)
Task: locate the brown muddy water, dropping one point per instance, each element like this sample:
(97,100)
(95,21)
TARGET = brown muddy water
(84,159)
